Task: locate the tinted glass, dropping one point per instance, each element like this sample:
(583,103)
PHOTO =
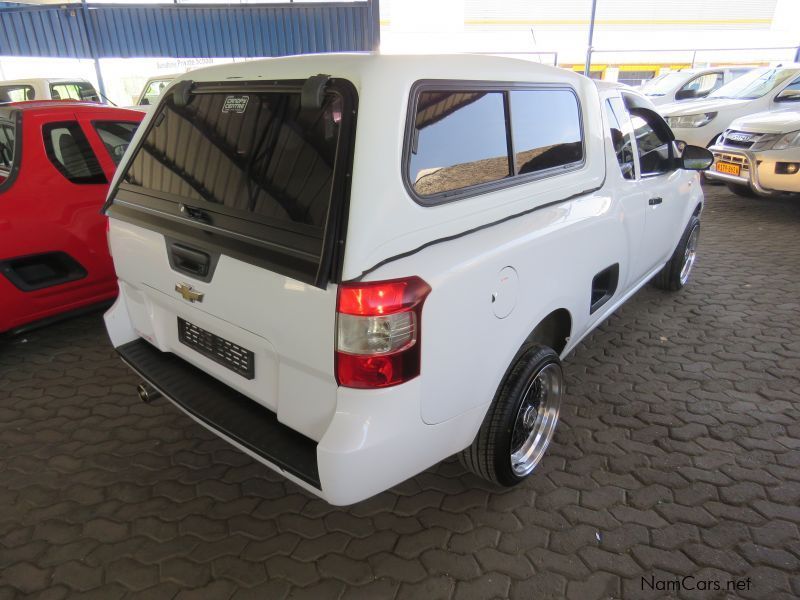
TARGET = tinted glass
(7,143)
(16,93)
(652,141)
(153,91)
(700,86)
(116,136)
(460,141)
(254,154)
(546,126)
(620,124)
(78,90)
(791,91)
(754,84)
(69,151)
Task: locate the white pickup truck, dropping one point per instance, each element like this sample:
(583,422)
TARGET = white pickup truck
(354,266)
(20,90)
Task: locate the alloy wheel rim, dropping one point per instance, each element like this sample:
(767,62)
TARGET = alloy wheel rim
(536,419)
(689,255)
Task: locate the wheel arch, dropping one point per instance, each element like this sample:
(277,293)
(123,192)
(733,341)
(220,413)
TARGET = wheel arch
(552,331)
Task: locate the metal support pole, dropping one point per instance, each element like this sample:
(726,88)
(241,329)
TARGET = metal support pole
(93,48)
(587,70)
(375,8)
(694,58)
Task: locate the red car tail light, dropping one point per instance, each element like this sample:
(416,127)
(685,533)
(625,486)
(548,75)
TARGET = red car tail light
(378,332)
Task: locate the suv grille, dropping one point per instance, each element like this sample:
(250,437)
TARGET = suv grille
(740,139)
(237,359)
(744,139)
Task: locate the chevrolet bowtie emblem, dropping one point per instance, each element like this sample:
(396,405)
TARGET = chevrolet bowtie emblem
(188,292)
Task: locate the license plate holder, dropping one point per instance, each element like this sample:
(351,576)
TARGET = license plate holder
(729,168)
(231,356)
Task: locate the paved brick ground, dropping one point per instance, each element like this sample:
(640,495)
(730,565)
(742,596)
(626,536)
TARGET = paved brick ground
(679,454)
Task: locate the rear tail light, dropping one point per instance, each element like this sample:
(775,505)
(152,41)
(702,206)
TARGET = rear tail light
(378,332)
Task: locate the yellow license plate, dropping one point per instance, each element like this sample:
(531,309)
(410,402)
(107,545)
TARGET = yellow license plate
(729,168)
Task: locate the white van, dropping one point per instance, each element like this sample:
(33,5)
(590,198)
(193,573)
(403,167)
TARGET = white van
(354,266)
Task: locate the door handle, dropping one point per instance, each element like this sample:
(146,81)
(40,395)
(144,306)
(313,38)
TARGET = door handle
(189,260)
(655,201)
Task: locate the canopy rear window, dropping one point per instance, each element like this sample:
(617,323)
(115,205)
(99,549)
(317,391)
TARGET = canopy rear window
(246,161)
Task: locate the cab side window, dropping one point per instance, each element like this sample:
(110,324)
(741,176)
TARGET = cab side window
(653,140)
(620,124)
(791,92)
(70,152)
(700,86)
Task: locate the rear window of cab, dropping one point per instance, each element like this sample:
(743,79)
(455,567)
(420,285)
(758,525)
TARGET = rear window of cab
(462,141)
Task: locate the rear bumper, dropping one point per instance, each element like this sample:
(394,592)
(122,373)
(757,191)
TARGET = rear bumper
(758,169)
(376,438)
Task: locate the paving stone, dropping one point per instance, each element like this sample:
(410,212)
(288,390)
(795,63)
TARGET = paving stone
(132,574)
(78,576)
(396,568)
(241,572)
(487,586)
(436,588)
(26,577)
(187,573)
(598,585)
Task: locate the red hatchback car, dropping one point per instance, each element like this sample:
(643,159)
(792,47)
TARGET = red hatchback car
(56,162)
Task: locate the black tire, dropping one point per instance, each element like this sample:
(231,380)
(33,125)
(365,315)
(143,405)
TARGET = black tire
(669,278)
(740,189)
(489,456)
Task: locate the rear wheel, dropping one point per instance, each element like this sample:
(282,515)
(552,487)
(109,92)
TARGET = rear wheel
(676,272)
(520,424)
(741,189)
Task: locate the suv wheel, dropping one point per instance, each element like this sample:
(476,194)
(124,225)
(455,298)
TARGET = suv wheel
(676,272)
(520,424)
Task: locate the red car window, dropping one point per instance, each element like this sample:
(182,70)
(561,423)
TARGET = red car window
(116,136)
(70,152)
(7,144)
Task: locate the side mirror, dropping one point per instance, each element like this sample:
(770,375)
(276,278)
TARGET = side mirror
(694,158)
(685,94)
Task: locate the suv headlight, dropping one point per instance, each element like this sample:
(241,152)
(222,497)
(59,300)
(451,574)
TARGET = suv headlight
(688,121)
(790,140)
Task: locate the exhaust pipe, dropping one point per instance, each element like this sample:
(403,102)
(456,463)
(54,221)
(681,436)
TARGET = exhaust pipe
(147,393)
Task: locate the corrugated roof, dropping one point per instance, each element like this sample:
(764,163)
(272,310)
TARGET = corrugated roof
(183,31)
